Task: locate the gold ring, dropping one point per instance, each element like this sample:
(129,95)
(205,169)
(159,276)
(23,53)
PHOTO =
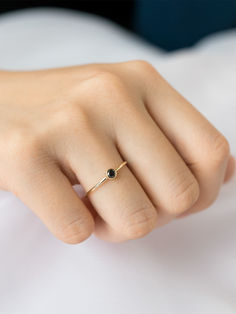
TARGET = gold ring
(111,174)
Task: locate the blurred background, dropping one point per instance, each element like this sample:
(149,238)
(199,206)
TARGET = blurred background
(169,24)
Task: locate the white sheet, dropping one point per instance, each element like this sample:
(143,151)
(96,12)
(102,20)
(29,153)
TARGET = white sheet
(187,266)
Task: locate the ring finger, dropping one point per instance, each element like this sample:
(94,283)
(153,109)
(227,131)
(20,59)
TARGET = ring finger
(122,204)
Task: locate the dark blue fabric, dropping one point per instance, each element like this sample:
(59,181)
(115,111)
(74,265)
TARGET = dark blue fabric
(174,24)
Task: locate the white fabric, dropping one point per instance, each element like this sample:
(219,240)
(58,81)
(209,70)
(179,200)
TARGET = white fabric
(187,266)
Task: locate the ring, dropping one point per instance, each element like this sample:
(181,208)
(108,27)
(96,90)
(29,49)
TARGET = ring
(111,174)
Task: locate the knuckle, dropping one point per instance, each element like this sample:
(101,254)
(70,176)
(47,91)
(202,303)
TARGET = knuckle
(186,193)
(106,82)
(143,66)
(111,94)
(24,155)
(219,151)
(142,221)
(209,201)
(23,145)
(70,116)
(76,231)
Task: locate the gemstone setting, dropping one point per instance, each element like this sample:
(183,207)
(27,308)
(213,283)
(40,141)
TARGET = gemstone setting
(111,173)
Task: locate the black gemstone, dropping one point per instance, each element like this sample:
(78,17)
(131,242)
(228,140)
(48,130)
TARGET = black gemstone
(111,173)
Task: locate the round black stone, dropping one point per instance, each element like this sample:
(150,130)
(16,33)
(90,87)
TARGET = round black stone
(111,173)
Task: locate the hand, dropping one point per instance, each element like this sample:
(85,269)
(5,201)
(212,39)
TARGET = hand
(67,126)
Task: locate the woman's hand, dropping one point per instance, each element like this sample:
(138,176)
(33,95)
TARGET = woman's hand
(61,127)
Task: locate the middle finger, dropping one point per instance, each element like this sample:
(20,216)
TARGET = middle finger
(159,168)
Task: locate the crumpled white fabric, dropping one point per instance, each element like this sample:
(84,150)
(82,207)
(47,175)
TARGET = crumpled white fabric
(187,266)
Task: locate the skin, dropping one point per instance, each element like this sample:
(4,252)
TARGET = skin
(66,126)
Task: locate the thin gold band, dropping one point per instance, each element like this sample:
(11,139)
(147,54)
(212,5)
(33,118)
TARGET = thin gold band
(111,174)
